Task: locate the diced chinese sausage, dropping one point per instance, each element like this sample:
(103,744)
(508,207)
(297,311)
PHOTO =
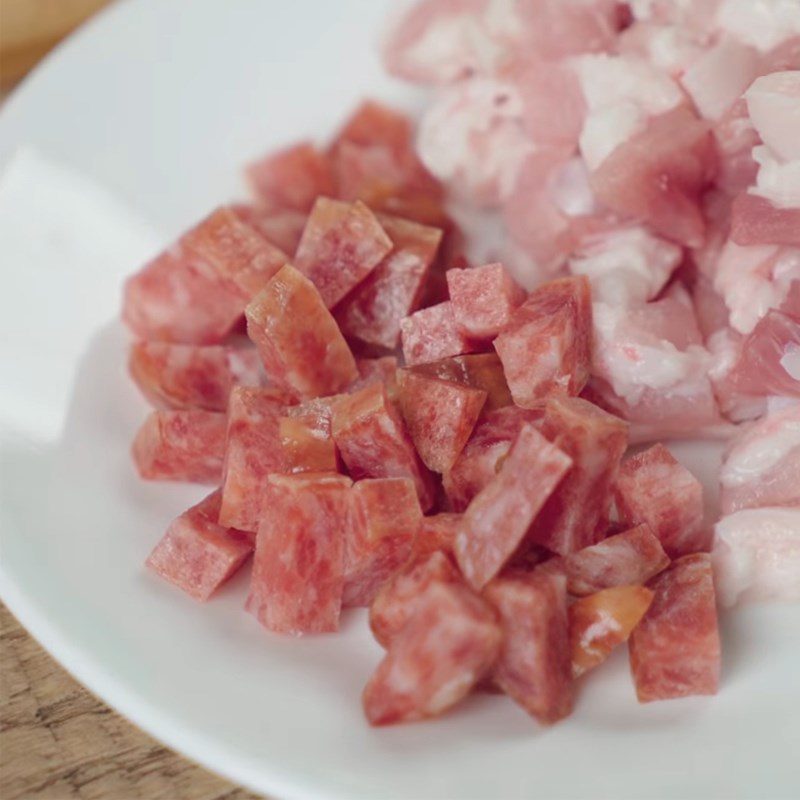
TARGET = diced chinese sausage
(197,554)
(182,445)
(298,567)
(431,334)
(436,532)
(675,649)
(448,644)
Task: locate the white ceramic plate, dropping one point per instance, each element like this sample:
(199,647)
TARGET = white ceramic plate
(160,101)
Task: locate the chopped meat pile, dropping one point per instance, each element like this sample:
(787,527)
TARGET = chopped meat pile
(404,411)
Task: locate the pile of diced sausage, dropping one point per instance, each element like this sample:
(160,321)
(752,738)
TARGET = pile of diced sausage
(394,423)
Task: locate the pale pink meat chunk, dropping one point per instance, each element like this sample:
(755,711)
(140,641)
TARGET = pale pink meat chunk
(774,105)
(756,555)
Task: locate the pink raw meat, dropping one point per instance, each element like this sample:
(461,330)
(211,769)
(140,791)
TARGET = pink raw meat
(300,344)
(298,567)
(631,557)
(374,442)
(192,376)
(534,665)
(397,600)
(386,518)
(440,416)
(546,347)
(341,244)
(291,178)
(483,299)
(675,649)
(757,221)
(481,457)
(432,334)
(654,489)
(449,643)
(762,467)
(253,452)
(181,445)
(575,515)
(373,311)
(198,555)
(498,517)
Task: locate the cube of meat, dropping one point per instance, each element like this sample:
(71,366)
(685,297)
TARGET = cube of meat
(432,334)
(298,567)
(300,343)
(182,445)
(196,553)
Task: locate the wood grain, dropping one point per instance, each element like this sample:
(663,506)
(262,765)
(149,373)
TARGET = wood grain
(58,742)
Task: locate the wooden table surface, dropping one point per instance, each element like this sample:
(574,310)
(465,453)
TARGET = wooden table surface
(58,742)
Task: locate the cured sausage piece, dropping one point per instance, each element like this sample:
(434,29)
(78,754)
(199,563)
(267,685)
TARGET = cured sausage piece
(386,518)
(534,663)
(499,516)
(253,452)
(181,445)
(631,557)
(197,554)
(376,370)
(601,621)
(653,488)
(298,567)
(373,310)
(546,347)
(437,532)
(191,376)
(483,299)
(575,516)
(440,416)
(448,644)
(431,334)
(675,649)
(341,244)
(374,442)
(396,601)
(300,344)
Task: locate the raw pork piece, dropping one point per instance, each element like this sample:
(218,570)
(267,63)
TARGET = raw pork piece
(253,452)
(341,244)
(198,555)
(484,452)
(306,438)
(575,515)
(191,376)
(431,334)
(725,346)
(600,622)
(498,517)
(755,220)
(376,370)
(292,178)
(300,344)
(182,445)
(654,489)
(440,416)
(773,102)
(534,663)
(762,467)
(374,442)
(379,541)
(483,299)
(396,601)
(437,532)
(449,643)
(675,650)
(546,348)
(480,371)
(769,363)
(196,290)
(631,557)
(373,310)
(658,175)
(756,556)
(298,567)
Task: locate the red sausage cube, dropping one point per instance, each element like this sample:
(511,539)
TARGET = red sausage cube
(431,334)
